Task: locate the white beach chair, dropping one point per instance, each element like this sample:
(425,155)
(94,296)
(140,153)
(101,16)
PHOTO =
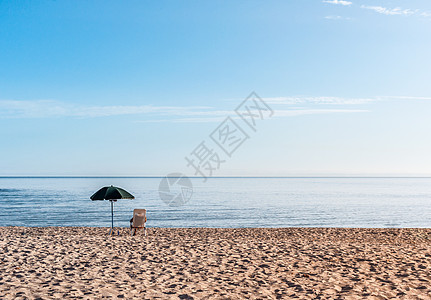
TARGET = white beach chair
(138,221)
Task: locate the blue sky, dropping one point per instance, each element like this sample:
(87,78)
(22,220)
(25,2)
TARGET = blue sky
(133,87)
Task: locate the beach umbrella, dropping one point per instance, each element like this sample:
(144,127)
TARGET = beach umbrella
(111,193)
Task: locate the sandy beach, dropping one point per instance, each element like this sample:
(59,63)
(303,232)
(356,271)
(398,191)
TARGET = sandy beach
(305,263)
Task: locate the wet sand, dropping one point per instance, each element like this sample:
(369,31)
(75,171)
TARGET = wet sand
(202,263)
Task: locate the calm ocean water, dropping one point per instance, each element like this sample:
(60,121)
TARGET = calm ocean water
(223,202)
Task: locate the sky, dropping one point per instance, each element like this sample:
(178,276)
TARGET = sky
(133,88)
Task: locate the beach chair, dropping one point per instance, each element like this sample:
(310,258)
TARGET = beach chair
(138,221)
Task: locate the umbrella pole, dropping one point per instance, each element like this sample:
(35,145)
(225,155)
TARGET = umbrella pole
(112,217)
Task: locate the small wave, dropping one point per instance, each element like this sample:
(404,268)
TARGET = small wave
(9,190)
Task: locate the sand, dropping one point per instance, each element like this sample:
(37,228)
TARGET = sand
(86,263)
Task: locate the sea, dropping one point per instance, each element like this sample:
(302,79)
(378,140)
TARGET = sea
(222,202)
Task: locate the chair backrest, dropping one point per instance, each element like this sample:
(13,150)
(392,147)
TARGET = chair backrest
(139,216)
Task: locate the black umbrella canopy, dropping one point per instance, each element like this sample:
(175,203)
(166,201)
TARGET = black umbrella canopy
(111,193)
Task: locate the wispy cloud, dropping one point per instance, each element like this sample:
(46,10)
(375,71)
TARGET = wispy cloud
(341,2)
(397,11)
(189,114)
(179,119)
(300,112)
(318,100)
(336,18)
(391,11)
(405,98)
(50,108)
(278,113)
(283,107)
(338,101)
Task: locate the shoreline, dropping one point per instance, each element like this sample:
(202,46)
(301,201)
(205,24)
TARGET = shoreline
(215,263)
(222,228)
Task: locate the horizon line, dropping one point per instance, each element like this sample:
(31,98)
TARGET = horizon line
(200,177)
